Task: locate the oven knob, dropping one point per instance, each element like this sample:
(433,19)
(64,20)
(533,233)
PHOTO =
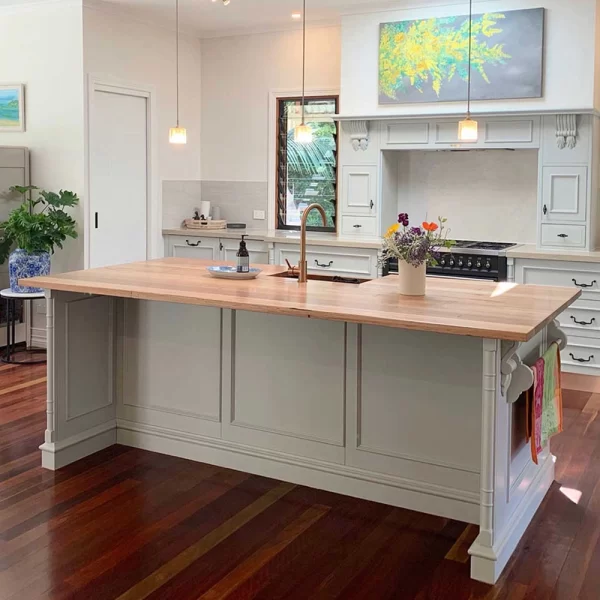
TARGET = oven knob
(478,264)
(461,263)
(452,262)
(488,265)
(442,262)
(470,264)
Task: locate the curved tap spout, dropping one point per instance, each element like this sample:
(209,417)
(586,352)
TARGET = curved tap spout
(303,266)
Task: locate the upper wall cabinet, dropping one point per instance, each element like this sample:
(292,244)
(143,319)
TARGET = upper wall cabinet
(359,190)
(564,194)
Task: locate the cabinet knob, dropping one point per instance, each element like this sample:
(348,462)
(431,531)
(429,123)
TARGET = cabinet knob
(372,204)
(562,235)
(357,226)
(545,209)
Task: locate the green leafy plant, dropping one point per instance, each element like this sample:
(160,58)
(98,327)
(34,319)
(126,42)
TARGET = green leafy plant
(38,225)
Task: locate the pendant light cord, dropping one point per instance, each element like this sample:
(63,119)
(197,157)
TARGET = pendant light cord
(177,55)
(303,58)
(470,46)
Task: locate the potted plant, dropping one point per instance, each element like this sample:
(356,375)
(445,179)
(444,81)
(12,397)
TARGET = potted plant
(415,248)
(32,231)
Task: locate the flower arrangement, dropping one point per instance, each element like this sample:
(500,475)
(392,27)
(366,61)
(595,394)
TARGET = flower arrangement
(415,245)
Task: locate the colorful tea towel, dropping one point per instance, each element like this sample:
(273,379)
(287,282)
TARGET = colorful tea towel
(544,401)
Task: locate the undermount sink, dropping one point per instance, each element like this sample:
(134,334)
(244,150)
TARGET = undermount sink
(332,278)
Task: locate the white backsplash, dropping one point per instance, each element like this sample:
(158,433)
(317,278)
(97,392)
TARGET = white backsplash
(488,195)
(179,198)
(237,200)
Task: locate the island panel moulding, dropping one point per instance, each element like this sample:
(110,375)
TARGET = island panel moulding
(426,60)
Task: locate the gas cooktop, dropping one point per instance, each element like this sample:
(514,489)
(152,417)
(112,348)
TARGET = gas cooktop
(481,248)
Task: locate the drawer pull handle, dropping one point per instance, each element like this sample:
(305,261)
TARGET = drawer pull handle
(583,322)
(562,235)
(585,285)
(581,360)
(324,266)
(357,226)
(192,243)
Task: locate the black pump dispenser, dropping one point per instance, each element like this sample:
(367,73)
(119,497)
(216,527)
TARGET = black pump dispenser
(243,258)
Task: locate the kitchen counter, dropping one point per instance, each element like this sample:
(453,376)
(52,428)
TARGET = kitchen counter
(279,236)
(532,251)
(460,307)
(348,388)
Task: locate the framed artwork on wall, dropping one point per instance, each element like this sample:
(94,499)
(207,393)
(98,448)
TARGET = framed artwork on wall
(426,60)
(12,107)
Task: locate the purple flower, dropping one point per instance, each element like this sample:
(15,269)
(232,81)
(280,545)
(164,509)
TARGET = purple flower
(403,219)
(416,230)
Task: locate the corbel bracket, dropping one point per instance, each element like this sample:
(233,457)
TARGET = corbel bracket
(566,131)
(358,132)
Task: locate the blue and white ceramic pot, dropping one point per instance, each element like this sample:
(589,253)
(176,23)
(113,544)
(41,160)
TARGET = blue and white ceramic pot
(22,265)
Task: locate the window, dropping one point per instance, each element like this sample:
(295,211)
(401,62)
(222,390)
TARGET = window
(306,173)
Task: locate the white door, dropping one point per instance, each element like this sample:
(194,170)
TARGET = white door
(118,177)
(564,194)
(359,190)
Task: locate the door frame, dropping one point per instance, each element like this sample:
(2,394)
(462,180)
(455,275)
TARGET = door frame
(103,83)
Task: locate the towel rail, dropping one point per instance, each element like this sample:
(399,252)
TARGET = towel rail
(517,377)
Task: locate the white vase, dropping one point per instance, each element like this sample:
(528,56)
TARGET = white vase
(411,280)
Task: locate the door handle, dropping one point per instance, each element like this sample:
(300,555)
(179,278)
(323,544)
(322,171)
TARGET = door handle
(562,235)
(372,204)
(357,226)
(581,360)
(545,210)
(221,246)
(585,285)
(96,220)
(192,244)
(582,322)
(324,266)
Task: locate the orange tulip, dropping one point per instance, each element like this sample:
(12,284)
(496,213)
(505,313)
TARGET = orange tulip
(430,226)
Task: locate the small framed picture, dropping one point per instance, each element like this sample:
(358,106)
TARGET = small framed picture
(12,107)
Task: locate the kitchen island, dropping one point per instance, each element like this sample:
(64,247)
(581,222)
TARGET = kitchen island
(414,402)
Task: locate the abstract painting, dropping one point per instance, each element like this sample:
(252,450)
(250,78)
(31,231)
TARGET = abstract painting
(12,107)
(427,60)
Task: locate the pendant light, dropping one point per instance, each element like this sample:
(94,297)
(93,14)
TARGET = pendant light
(467,129)
(177,135)
(303,133)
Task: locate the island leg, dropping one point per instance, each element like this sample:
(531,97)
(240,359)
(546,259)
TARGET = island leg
(511,486)
(81,415)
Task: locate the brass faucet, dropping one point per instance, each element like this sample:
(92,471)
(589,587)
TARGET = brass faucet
(303,266)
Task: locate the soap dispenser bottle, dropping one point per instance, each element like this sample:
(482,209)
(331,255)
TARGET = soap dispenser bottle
(243,258)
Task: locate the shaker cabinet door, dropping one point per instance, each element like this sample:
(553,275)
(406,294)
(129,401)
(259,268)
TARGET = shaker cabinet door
(564,194)
(359,190)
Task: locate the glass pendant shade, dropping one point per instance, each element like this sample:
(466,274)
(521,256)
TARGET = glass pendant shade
(178,135)
(303,134)
(467,130)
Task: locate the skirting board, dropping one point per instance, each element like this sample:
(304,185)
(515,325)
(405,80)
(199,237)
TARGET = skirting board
(487,564)
(58,455)
(341,479)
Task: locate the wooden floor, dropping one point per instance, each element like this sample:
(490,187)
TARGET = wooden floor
(129,524)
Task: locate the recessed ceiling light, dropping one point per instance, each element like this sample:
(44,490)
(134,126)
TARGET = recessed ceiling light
(296,15)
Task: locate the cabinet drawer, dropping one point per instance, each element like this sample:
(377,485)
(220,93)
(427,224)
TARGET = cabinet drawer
(194,247)
(572,275)
(582,355)
(357,262)
(259,251)
(359,225)
(581,321)
(563,236)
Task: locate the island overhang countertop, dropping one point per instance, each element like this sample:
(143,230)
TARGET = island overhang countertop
(482,309)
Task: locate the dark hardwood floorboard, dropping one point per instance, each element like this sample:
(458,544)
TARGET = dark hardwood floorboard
(127,524)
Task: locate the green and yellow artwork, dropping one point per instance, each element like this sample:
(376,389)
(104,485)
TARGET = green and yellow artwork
(427,60)
(12,110)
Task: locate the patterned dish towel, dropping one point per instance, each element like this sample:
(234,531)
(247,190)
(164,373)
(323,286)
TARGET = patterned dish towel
(544,402)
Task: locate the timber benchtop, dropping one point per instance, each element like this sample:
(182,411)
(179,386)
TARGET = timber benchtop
(461,307)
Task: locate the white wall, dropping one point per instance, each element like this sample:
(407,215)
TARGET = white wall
(569,57)
(238,73)
(41,46)
(116,47)
(486,195)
